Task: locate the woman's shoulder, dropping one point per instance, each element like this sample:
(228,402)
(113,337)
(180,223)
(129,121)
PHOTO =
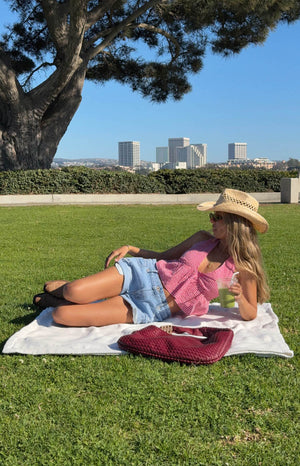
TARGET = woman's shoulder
(203,236)
(246,275)
(204,241)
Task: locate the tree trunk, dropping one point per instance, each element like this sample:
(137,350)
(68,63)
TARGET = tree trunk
(29,139)
(20,143)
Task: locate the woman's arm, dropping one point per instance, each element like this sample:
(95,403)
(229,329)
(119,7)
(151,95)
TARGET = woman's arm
(246,295)
(121,252)
(172,253)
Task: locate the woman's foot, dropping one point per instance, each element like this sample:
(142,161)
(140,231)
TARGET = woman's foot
(44,300)
(55,287)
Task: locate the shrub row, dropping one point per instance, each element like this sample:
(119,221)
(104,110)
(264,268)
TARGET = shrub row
(88,180)
(75,180)
(215,180)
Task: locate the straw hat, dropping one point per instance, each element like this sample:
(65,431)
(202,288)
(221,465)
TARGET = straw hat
(237,202)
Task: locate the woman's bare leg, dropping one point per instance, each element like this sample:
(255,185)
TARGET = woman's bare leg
(101,285)
(111,311)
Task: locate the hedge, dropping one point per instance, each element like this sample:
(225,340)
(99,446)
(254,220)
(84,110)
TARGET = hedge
(88,180)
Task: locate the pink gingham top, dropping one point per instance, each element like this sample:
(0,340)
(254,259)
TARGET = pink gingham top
(191,289)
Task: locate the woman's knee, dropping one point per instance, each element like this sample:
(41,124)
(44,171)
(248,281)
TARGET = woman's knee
(60,314)
(74,292)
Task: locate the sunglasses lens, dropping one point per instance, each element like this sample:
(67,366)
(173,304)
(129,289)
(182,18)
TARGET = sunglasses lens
(215,217)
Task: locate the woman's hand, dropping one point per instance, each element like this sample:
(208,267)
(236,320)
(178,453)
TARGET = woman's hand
(245,294)
(237,290)
(117,254)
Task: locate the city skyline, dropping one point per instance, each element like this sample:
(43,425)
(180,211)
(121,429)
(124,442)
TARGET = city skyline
(253,97)
(129,154)
(249,97)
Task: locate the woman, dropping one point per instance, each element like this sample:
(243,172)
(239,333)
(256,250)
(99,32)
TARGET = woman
(154,286)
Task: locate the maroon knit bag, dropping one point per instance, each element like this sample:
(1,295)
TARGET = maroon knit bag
(176,346)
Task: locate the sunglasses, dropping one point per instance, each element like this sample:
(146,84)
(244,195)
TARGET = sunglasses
(215,217)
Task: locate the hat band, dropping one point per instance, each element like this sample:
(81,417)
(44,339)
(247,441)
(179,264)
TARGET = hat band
(234,200)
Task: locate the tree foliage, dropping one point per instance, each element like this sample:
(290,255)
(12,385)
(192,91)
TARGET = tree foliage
(152,46)
(293,163)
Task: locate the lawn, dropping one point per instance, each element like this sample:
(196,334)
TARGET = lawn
(95,410)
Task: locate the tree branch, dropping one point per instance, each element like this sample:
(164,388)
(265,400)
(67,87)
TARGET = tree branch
(10,89)
(160,31)
(66,23)
(56,15)
(119,27)
(42,65)
(69,59)
(94,15)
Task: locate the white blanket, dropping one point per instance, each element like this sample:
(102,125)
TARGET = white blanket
(42,336)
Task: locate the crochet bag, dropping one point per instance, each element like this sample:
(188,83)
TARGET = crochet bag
(204,345)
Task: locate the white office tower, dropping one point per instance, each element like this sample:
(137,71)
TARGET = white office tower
(237,150)
(196,155)
(129,153)
(174,143)
(162,154)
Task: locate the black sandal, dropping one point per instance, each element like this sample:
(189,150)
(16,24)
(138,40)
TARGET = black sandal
(44,300)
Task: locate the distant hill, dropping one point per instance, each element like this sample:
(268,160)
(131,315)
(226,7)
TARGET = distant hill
(85,161)
(91,162)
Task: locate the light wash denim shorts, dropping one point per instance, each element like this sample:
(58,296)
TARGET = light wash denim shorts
(142,289)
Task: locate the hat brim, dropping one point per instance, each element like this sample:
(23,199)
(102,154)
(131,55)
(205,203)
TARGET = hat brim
(257,220)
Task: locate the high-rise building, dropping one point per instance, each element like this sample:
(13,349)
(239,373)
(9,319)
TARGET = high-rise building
(195,155)
(173,144)
(181,154)
(237,150)
(162,154)
(129,153)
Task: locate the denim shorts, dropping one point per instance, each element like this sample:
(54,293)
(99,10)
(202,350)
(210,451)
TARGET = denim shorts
(143,290)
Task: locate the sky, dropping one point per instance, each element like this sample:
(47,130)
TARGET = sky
(252,97)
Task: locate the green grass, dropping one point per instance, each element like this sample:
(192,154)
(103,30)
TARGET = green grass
(90,410)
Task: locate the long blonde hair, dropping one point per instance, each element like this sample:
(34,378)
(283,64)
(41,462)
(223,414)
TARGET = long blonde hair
(244,249)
